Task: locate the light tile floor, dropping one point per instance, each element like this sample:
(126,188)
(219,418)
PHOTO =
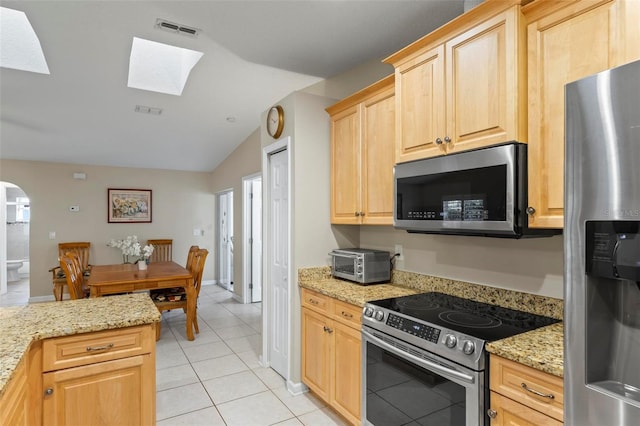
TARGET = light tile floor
(217,378)
(17,293)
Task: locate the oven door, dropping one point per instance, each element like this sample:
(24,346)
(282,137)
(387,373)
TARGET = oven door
(403,384)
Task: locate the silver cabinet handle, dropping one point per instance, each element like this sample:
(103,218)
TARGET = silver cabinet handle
(327,329)
(313,302)
(438,141)
(346,314)
(48,391)
(535,392)
(447,139)
(492,413)
(530,210)
(99,348)
(357,213)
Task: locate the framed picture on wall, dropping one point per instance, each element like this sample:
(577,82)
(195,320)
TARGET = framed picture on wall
(129,205)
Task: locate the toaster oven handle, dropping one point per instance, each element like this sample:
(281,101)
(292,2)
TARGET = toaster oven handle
(350,256)
(429,365)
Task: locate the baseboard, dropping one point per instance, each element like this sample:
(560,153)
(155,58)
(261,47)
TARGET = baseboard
(40,299)
(237,298)
(296,388)
(208,282)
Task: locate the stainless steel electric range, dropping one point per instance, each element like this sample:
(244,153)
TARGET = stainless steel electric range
(425,360)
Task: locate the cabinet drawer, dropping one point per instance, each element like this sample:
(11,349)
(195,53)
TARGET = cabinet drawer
(347,313)
(511,413)
(315,301)
(89,348)
(541,391)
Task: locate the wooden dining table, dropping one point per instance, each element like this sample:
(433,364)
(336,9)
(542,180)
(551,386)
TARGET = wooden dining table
(127,278)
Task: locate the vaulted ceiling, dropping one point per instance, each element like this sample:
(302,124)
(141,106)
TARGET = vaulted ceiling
(255,53)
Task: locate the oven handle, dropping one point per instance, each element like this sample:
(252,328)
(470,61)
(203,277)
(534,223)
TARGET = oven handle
(447,373)
(348,256)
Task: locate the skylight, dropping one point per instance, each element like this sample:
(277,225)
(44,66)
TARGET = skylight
(19,45)
(159,67)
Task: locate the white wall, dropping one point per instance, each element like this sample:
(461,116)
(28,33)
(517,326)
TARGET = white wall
(181,202)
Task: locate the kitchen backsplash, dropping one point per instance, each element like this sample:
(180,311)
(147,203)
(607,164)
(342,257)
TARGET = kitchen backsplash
(541,305)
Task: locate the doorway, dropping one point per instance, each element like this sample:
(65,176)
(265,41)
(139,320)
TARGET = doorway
(15,217)
(252,234)
(225,240)
(277,274)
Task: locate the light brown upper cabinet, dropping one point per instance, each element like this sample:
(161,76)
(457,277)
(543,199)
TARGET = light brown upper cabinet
(567,40)
(362,156)
(462,86)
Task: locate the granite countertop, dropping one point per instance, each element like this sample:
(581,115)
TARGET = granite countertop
(356,294)
(21,325)
(541,349)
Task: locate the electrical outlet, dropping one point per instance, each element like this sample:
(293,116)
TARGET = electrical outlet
(399,252)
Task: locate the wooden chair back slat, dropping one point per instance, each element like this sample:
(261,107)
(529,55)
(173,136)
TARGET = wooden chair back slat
(82,249)
(73,274)
(190,256)
(162,250)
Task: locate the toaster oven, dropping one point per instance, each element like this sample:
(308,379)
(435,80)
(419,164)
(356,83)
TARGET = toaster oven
(363,266)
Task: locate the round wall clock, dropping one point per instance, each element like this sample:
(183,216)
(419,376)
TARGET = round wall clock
(275,121)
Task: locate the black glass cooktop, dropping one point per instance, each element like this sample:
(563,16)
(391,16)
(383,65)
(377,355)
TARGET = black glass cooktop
(476,319)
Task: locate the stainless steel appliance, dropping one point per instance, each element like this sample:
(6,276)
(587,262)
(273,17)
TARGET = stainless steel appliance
(363,266)
(424,358)
(602,249)
(479,192)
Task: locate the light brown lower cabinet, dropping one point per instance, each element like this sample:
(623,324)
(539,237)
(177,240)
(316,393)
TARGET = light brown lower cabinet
(331,352)
(99,378)
(523,396)
(14,401)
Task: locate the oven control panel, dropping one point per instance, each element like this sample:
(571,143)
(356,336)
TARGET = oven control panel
(422,331)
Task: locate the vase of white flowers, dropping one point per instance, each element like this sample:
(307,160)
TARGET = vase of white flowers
(130,246)
(146,255)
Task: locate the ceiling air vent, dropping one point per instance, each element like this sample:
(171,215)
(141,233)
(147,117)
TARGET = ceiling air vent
(176,28)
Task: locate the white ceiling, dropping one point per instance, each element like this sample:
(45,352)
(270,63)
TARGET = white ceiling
(255,53)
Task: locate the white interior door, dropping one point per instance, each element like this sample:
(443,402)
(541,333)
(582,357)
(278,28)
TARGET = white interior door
(256,240)
(225,242)
(278,258)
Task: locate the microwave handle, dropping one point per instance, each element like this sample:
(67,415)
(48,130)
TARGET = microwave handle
(350,256)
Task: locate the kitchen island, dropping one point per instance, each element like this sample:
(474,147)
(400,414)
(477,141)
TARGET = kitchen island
(44,344)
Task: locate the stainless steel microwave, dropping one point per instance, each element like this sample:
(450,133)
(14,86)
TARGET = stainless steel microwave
(480,192)
(363,266)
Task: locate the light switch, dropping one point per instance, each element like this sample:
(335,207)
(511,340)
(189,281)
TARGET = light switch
(74,208)
(52,235)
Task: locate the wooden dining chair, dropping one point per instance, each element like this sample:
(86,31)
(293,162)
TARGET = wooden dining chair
(162,250)
(82,250)
(70,263)
(190,255)
(175,298)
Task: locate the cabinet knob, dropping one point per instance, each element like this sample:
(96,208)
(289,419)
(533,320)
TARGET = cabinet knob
(357,213)
(361,213)
(438,141)
(492,413)
(447,139)
(48,391)
(530,210)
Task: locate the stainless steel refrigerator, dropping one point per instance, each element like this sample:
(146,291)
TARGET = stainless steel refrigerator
(602,249)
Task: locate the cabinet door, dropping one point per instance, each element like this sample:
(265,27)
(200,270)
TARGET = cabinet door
(566,45)
(378,150)
(346,372)
(118,392)
(345,167)
(510,413)
(485,90)
(315,353)
(14,402)
(420,106)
